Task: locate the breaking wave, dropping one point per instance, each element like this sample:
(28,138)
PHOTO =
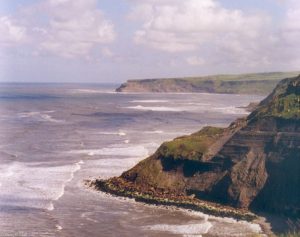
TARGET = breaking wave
(192,229)
(156,108)
(40,116)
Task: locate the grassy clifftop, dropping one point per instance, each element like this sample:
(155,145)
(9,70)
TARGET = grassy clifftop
(191,147)
(256,83)
(284,102)
(251,165)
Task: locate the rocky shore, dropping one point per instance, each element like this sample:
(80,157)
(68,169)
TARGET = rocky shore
(252,166)
(119,187)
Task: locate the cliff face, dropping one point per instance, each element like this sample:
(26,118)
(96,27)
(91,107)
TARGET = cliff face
(254,163)
(261,83)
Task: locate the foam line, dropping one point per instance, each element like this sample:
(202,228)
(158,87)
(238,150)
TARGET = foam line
(133,151)
(149,101)
(156,108)
(194,229)
(33,185)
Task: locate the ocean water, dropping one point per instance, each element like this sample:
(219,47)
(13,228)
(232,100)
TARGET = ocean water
(54,136)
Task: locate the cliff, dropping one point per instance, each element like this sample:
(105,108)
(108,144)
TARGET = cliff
(259,83)
(254,164)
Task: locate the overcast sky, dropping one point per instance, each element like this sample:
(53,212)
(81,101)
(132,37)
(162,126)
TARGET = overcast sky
(116,40)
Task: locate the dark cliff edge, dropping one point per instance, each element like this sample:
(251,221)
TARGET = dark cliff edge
(251,166)
(256,83)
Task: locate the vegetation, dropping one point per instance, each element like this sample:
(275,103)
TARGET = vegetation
(251,165)
(287,107)
(258,83)
(284,102)
(191,147)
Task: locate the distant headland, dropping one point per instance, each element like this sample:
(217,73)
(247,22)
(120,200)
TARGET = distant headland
(255,83)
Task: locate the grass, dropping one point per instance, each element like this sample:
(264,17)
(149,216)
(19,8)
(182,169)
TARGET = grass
(284,102)
(191,147)
(287,107)
(256,83)
(268,76)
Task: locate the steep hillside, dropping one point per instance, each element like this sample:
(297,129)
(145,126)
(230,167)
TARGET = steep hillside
(253,164)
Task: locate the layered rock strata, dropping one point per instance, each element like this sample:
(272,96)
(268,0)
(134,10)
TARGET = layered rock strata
(254,164)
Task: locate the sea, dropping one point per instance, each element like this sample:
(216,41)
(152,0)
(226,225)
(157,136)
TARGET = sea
(53,137)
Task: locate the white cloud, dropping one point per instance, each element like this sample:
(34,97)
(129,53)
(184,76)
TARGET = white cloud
(188,25)
(66,28)
(205,32)
(291,27)
(285,48)
(195,61)
(191,36)
(75,28)
(11,32)
(107,52)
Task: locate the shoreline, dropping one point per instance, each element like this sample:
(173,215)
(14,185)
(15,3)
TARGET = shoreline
(186,202)
(198,206)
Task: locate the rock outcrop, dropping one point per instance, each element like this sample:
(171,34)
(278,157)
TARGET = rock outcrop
(253,164)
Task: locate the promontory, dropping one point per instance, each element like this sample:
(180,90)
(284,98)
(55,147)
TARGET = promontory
(252,165)
(254,83)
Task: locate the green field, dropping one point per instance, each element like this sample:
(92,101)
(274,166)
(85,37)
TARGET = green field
(255,83)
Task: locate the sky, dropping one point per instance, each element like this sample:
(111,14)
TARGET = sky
(111,41)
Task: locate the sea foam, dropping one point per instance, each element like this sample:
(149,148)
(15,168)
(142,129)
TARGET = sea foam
(40,116)
(192,229)
(131,151)
(149,101)
(33,184)
(156,108)
(230,110)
